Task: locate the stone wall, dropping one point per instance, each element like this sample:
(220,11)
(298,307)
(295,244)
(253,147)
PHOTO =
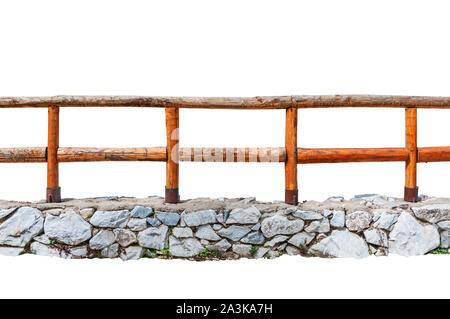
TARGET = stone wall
(201,229)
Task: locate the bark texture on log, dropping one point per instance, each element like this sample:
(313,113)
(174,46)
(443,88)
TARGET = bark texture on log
(345,155)
(97,154)
(232,154)
(434,154)
(23,155)
(259,102)
(290,166)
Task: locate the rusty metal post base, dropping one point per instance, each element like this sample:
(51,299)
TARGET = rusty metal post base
(53,195)
(172,195)
(411,194)
(291,196)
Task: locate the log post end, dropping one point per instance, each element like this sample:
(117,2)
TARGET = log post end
(291,196)
(411,194)
(172,196)
(53,195)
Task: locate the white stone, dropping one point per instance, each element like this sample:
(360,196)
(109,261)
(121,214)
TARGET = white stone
(292,251)
(110,219)
(111,251)
(137,224)
(410,238)
(198,218)
(280,225)
(242,250)
(318,226)
(68,228)
(218,227)
(44,250)
(376,237)
(87,213)
(307,215)
(221,246)
(445,239)
(124,237)
(132,253)
(102,239)
(358,221)
(6,212)
(153,237)
(432,213)
(206,232)
(189,247)
(10,251)
(386,220)
(248,215)
(301,239)
(182,232)
(341,243)
(43,239)
(78,252)
(261,252)
(444,225)
(338,219)
(21,227)
(276,240)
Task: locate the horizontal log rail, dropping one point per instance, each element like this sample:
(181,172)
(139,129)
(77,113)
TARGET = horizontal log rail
(291,155)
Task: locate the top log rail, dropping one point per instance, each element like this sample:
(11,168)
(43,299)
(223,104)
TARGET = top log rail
(259,102)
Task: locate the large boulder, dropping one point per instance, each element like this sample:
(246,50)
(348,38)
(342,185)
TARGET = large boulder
(432,213)
(189,247)
(21,227)
(410,238)
(198,218)
(234,232)
(249,215)
(68,228)
(102,239)
(280,225)
(358,221)
(153,237)
(341,243)
(111,219)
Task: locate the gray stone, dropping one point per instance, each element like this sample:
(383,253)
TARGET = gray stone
(444,225)
(276,240)
(336,198)
(260,252)
(386,220)
(432,213)
(54,212)
(44,250)
(358,221)
(280,225)
(234,233)
(182,232)
(198,218)
(338,219)
(341,243)
(409,237)
(21,227)
(292,251)
(169,219)
(217,227)
(282,247)
(87,213)
(242,250)
(206,232)
(445,239)
(307,215)
(189,247)
(255,238)
(225,215)
(327,212)
(204,242)
(111,251)
(154,238)
(318,226)
(221,246)
(301,239)
(43,239)
(6,212)
(219,218)
(68,228)
(247,200)
(124,237)
(103,239)
(153,221)
(363,196)
(376,237)
(10,251)
(256,227)
(78,252)
(249,215)
(137,224)
(141,212)
(132,253)
(111,219)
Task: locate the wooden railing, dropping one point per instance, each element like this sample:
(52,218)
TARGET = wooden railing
(290,154)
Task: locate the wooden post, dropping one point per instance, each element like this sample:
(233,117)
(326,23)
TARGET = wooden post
(411,189)
(290,167)
(172,132)
(53,189)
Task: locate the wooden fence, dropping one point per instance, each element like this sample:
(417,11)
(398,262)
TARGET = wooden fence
(290,154)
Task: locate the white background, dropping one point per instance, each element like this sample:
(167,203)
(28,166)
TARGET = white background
(223,48)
